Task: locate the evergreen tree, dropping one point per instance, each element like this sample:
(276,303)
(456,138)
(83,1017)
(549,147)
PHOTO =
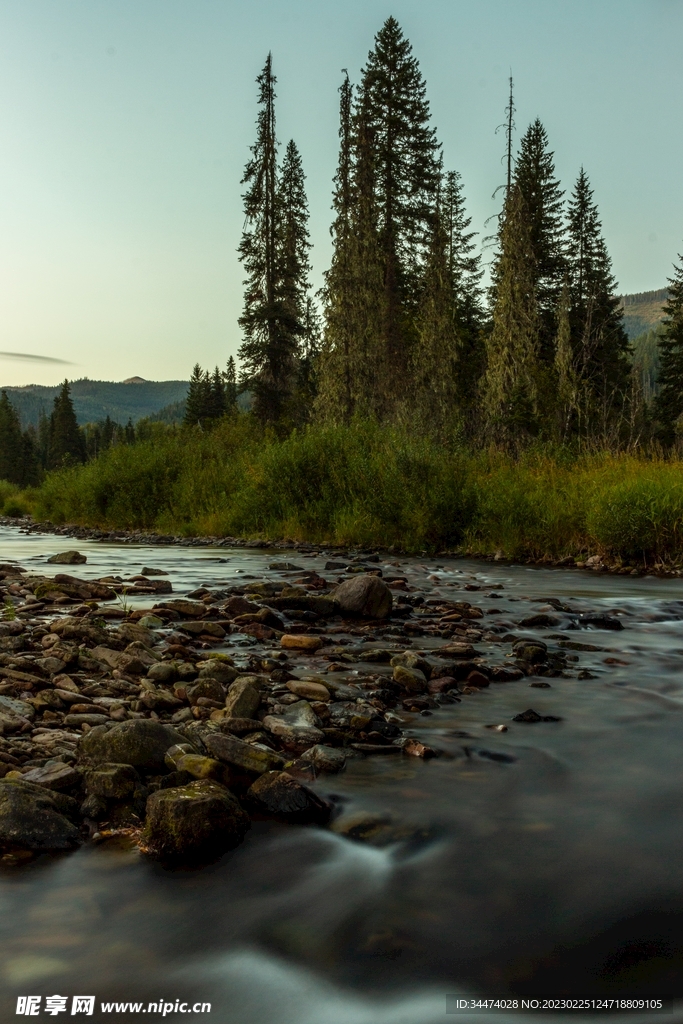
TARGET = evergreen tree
(30,475)
(435,357)
(11,443)
(510,384)
(465,273)
(268,352)
(43,439)
(567,397)
(66,444)
(393,114)
(230,385)
(351,372)
(294,244)
(668,407)
(198,402)
(542,200)
(216,407)
(129,432)
(599,340)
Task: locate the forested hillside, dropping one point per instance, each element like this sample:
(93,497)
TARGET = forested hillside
(94,400)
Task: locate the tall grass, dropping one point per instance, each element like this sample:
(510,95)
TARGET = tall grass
(376,486)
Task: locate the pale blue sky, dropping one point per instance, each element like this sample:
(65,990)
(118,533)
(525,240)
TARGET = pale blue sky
(125,126)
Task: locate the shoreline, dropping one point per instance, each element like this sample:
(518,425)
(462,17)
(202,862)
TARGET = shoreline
(592,563)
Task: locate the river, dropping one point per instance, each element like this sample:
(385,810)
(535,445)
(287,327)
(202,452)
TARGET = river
(546,859)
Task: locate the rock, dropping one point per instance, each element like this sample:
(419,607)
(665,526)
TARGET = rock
(308,689)
(111,781)
(411,679)
(199,627)
(412,660)
(151,622)
(242,700)
(505,675)
(35,818)
(17,707)
(94,807)
(57,776)
(152,572)
(414,748)
(600,620)
(68,558)
(79,719)
(240,606)
(183,608)
(327,759)
(365,596)
(283,796)
(247,756)
(533,716)
(163,672)
(206,687)
(457,649)
(142,743)
(217,668)
(531,651)
(200,819)
(297,735)
(285,567)
(200,767)
(441,685)
(541,620)
(301,643)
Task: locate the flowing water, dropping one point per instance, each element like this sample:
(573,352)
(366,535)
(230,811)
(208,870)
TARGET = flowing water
(547,859)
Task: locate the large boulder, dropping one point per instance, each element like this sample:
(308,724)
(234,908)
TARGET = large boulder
(194,821)
(365,596)
(281,795)
(142,743)
(35,818)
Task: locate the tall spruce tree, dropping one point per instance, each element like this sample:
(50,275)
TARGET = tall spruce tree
(66,445)
(435,356)
(510,385)
(393,113)
(668,405)
(465,273)
(542,200)
(11,443)
(335,398)
(353,377)
(198,404)
(268,352)
(216,396)
(599,339)
(230,379)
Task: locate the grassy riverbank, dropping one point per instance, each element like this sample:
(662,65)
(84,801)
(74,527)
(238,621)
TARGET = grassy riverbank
(372,486)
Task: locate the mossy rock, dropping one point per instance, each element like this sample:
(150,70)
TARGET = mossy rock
(141,743)
(193,822)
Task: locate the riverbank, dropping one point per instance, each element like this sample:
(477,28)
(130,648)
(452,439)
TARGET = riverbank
(372,487)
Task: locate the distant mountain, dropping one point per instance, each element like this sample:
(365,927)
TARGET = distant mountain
(94,400)
(643,311)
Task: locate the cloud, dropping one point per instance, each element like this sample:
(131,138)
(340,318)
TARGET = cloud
(33,359)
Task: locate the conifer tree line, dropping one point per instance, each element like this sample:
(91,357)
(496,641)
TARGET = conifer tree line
(58,442)
(408,333)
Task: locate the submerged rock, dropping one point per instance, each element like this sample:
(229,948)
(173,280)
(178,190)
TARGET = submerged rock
(194,821)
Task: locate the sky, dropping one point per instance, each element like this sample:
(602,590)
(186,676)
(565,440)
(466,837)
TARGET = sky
(125,127)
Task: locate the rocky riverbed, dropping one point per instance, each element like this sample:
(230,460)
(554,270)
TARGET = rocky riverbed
(467,776)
